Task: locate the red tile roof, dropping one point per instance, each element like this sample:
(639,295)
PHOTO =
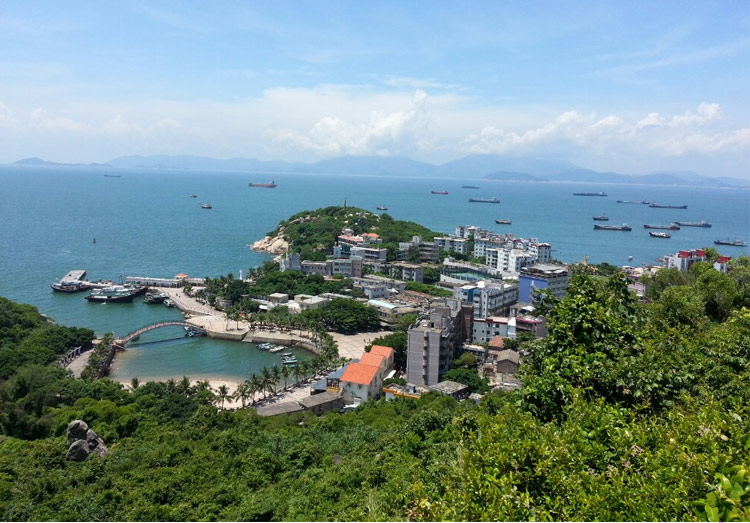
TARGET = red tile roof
(358,373)
(353,239)
(371,235)
(375,360)
(384,351)
(720,259)
(497,342)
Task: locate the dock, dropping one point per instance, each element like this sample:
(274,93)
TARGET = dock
(74,275)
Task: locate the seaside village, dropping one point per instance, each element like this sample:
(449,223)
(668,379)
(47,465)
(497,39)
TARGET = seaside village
(491,306)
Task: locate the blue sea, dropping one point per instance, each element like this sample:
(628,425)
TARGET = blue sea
(145,223)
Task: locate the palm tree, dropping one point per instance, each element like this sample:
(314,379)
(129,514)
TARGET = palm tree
(276,373)
(243,392)
(184,386)
(135,383)
(222,394)
(297,372)
(286,371)
(256,384)
(305,369)
(267,380)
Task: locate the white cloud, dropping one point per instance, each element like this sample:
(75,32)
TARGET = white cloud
(41,120)
(6,118)
(384,133)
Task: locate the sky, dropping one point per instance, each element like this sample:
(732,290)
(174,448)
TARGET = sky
(636,87)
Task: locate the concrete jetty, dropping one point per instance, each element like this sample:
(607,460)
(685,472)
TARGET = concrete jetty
(74,275)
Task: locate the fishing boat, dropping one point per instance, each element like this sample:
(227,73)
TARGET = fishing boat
(265,346)
(382,208)
(439,192)
(659,234)
(70,286)
(469,187)
(623,227)
(732,243)
(168,303)
(193,195)
(589,194)
(672,227)
(702,223)
(206,206)
(276,348)
(642,202)
(502,222)
(269,185)
(601,218)
(655,205)
(484,200)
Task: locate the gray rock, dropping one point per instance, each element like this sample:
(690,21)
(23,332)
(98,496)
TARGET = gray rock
(78,451)
(92,439)
(77,429)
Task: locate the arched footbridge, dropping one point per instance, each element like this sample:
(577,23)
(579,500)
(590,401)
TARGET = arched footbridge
(130,337)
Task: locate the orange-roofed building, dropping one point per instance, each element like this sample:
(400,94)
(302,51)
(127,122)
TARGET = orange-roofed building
(361,382)
(386,352)
(374,360)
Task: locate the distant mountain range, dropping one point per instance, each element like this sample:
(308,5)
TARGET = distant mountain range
(487,166)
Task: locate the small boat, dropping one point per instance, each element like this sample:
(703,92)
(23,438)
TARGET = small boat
(732,243)
(193,195)
(702,223)
(469,187)
(439,192)
(672,227)
(623,227)
(111,175)
(289,360)
(484,200)
(654,205)
(154,297)
(265,346)
(382,208)
(277,348)
(642,202)
(503,222)
(93,241)
(601,218)
(630,258)
(659,234)
(269,185)
(589,194)
(206,206)
(114,294)
(168,303)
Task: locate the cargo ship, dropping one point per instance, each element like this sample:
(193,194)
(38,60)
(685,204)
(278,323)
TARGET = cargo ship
(660,235)
(702,223)
(657,206)
(269,185)
(469,187)
(503,222)
(672,227)
(733,243)
(484,200)
(601,218)
(439,192)
(623,227)
(589,194)
(642,202)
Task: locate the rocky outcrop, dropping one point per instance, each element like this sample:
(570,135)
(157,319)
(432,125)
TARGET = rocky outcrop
(274,245)
(83,441)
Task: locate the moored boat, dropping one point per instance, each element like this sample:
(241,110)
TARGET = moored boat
(655,205)
(114,294)
(702,223)
(154,297)
(601,218)
(70,286)
(484,200)
(206,206)
(642,202)
(269,185)
(623,227)
(672,227)
(732,243)
(503,222)
(439,192)
(659,234)
(589,194)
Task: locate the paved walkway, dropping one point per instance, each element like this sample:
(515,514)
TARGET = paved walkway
(354,346)
(77,365)
(188,304)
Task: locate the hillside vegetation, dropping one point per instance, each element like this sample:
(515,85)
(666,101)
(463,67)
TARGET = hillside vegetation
(313,234)
(629,411)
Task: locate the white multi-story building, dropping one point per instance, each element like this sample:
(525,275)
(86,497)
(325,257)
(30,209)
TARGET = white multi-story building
(488,298)
(452,244)
(509,260)
(484,329)
(683,260)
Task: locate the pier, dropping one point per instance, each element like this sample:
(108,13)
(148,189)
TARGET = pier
(74,275)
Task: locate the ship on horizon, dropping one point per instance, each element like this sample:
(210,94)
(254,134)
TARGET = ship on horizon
(623,227)
(484,200)
(269,185)
(673,227)
(439,192)
(589,194)
(702,223)
(655,205)
(732,243)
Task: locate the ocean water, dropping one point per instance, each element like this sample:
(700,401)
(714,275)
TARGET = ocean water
(145,224)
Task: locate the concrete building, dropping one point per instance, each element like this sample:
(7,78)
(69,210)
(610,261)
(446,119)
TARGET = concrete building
(406,271)
(278,298)
(487,297)
(433,341)
(484,329)
(389,313)
(386,352)
(290,262)
(683,260)
(553,278)
(362,381)
(507,362)
(722,264)
(428,251)
(455,390)
(452,244)
(313,267)
(508,260)
(465,272)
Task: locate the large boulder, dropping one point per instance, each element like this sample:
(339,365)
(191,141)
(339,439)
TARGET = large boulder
(78,451)
(77,429)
